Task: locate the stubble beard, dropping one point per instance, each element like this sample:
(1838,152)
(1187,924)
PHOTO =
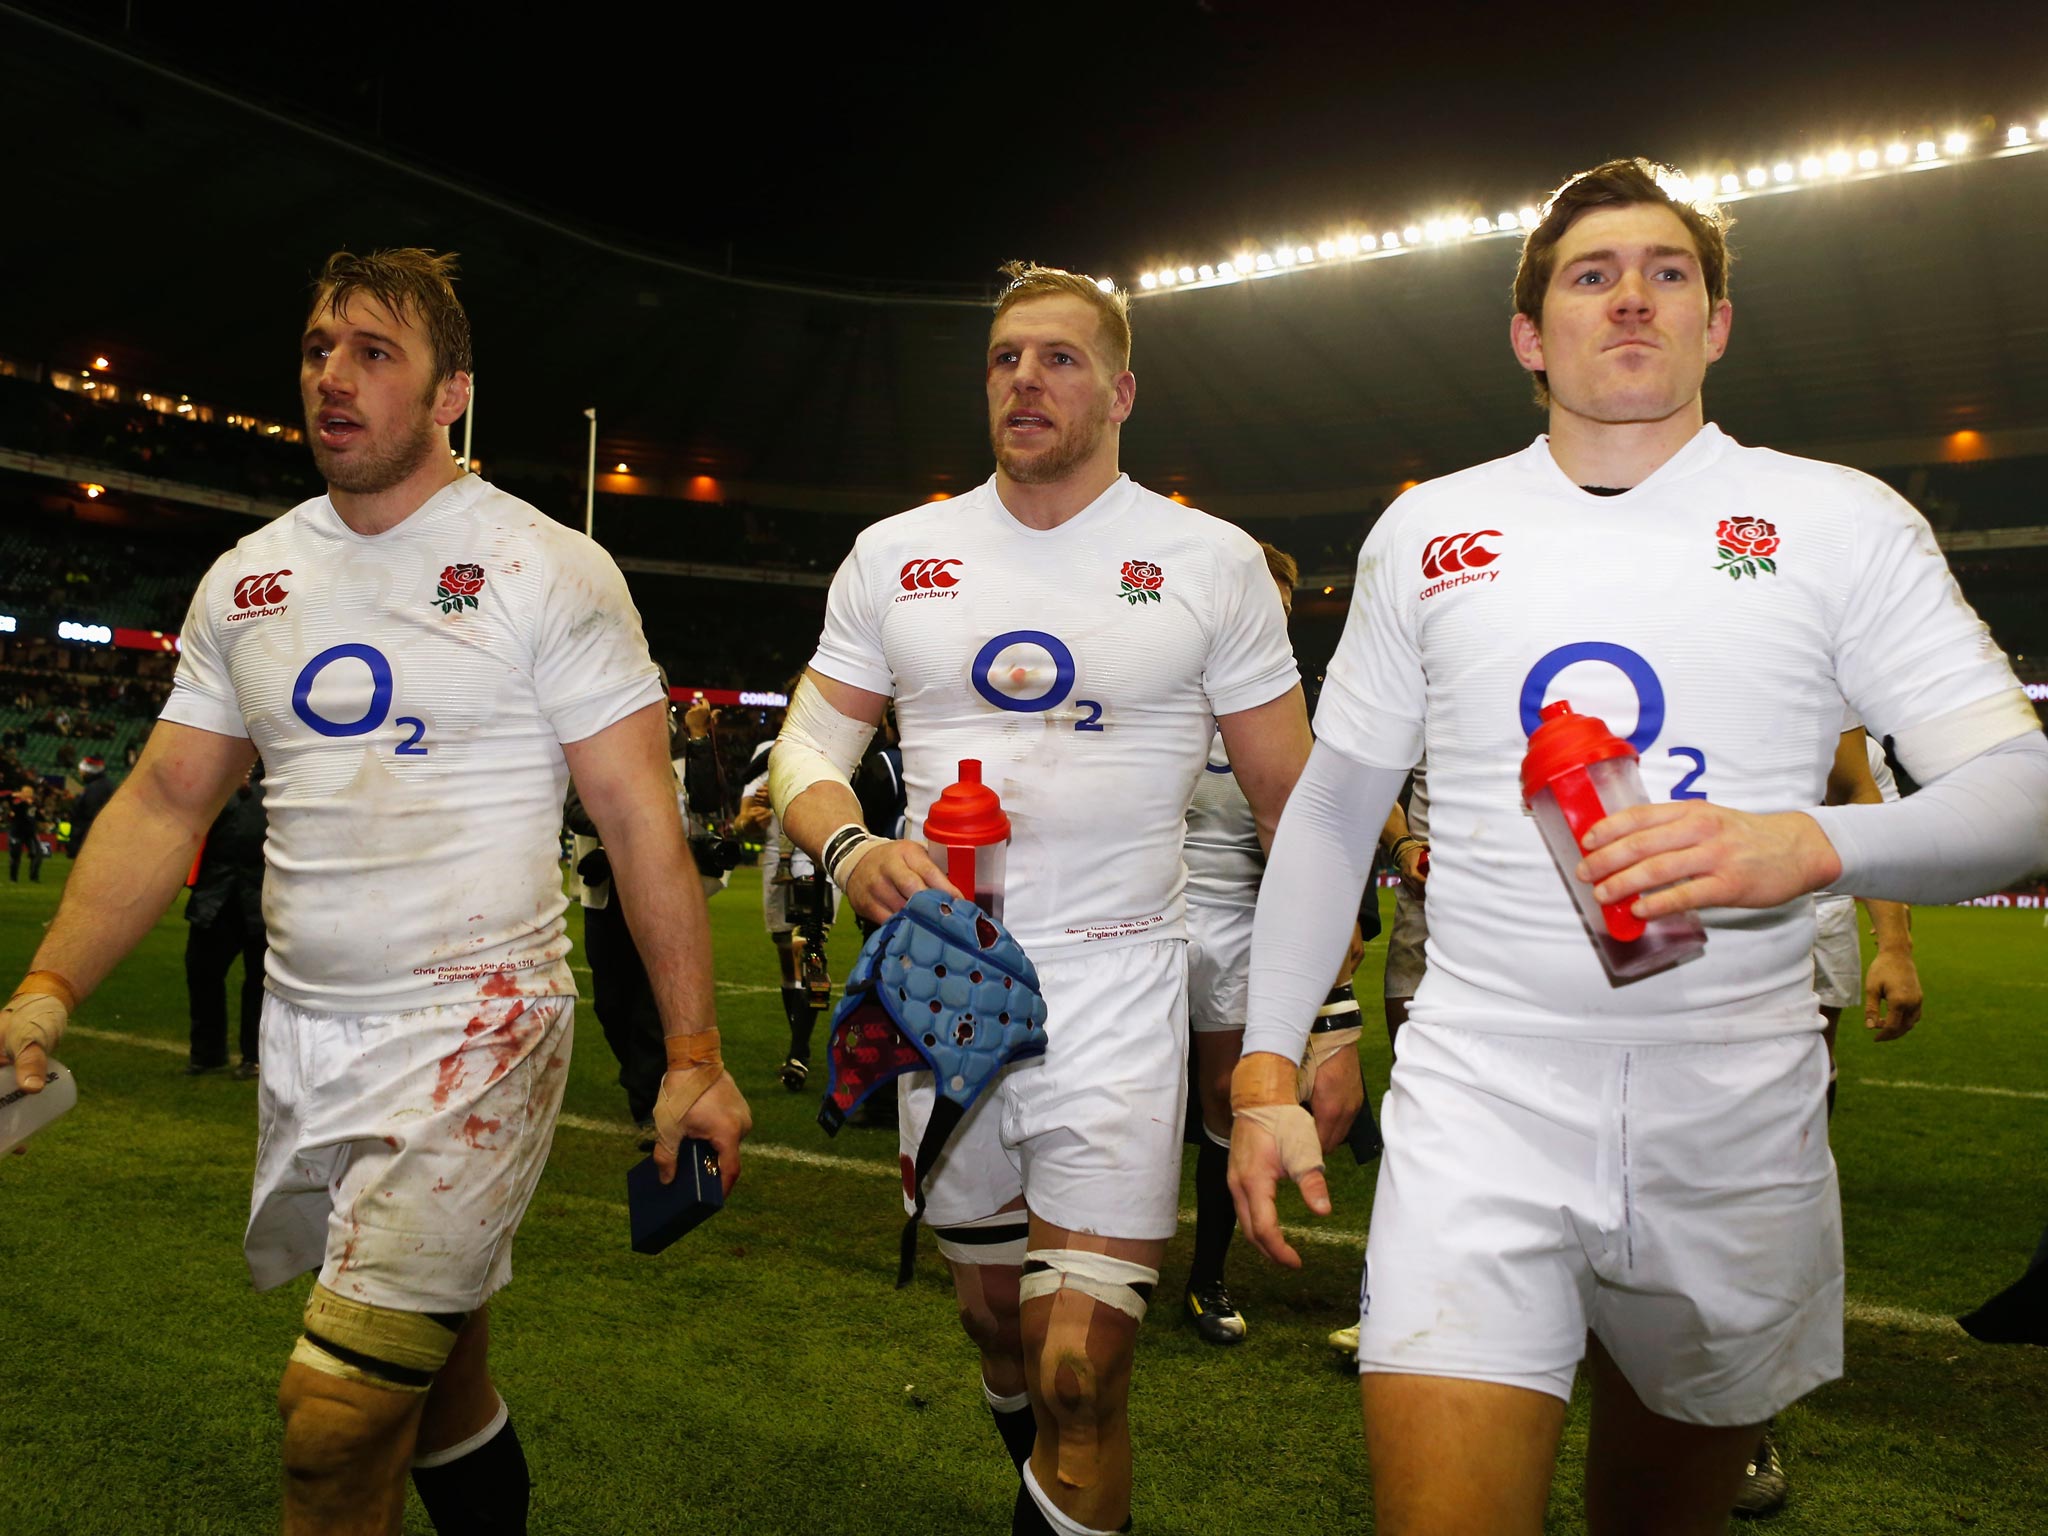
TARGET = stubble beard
(1067,453)
(373,472)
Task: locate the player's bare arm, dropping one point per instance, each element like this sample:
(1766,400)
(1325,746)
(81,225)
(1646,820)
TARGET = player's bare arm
(141,847)
(810,776)
(628,786)
(1891,987)
(1268,744)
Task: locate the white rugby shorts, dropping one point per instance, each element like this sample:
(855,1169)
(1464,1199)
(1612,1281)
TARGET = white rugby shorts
(1090,1132)
(1405,941)
(397,1152)
(1219,967)
(1837,953)
(1677,1200)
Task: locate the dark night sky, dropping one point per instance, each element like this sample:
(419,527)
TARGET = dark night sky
(927,144)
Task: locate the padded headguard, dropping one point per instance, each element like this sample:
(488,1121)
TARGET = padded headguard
(940,987)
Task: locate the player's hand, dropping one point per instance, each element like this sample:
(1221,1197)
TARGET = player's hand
(1891,995)
(1677,855)
(721,1117)
(32,1021)
(1337,1097)
(697,719)
(755,814)
(1271,1138)
(890,875)
(1414,867)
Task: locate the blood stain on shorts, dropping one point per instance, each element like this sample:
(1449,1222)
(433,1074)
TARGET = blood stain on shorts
(500,983)
(475,1128)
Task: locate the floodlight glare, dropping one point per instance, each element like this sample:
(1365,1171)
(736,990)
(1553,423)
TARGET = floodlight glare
(1306,253)
(1348,244)
(1839,162)
(1390,241)
(1265,262)
(1326,249)
(1482,226)
(2041,129)
(1925,150)
(1106,284)
(1367,243)
(1434,229)
(1286,256)
(1956,143)
(1758,176)
(1782,171)
(1731,183)
(1148,280)
(1187,274)
(1168,276)
(1811,167)
(1207,271)
(1867,159)
(1411,234)
(2013,135)
(1529,218)
(1228,269)
(1896,154)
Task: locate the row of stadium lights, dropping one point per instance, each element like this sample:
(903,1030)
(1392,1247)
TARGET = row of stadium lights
(1759,179)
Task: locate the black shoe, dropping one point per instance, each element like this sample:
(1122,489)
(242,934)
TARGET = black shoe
(1215,1319)
(247,1072)
(204,1068)
(1763,1482)
(795,1074)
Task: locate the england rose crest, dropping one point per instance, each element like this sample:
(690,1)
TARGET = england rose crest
(458,587)
(1141,581)
(1746,545)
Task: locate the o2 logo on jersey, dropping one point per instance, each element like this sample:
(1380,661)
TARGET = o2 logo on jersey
(1028,672)
(345,689)
(1649,690)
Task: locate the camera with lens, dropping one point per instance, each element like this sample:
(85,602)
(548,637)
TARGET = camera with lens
(715,854)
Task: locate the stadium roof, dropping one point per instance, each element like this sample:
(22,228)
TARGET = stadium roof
(1886,320)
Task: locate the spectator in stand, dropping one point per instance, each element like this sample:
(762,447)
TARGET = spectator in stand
(98,790)
(24,835)
(225,914)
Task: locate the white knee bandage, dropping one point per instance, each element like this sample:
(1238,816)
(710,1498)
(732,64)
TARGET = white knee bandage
(817,743)
(1113,1282)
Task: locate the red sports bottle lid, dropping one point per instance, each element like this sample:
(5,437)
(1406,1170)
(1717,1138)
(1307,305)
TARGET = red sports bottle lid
(967,814)
(1565,741)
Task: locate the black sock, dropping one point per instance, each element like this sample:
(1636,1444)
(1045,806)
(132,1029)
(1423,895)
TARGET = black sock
(1831,1098)
(481,1493)
(1215,1216)
(1019,1429)
(1027,1519)
(803,1018)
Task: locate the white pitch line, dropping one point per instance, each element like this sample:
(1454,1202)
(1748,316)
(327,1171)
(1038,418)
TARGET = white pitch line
(1903,1318)
(1979,1088)
(723,986)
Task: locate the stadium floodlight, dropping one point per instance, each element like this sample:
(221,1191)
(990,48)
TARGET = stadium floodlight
(1207,272)
(1731,183)
(2014,135)
(1866,159)
(1758,176)
(1839,162)
(1227,269)
(1956,143)
(1811,167)
(1434,229)
(1508,220)
(1168,276)
(1482,225)
(1896,154)
(1390,241)
(1326,249)
(1782,172)
(1186,274)
(1305,253)
(1148,280)
(1925,150)
(1286,256)
(1348,244)
(1106,284)
(1367,243)
(1529,218)
(1411,234)
(622,469)
(1265,262)
(2041,129)
(101,362)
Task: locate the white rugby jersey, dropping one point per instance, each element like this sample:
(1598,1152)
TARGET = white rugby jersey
(1224,859)
(410,692)
(1718,615)
(1084,665)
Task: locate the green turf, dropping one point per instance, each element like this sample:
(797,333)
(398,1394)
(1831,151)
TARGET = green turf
(763,1376)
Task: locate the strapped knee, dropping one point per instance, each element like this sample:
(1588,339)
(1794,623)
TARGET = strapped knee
(377,1346)
(1074,1359)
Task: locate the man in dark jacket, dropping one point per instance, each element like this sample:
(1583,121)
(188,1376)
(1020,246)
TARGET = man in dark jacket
(99,789)
(225,911)
(24,834)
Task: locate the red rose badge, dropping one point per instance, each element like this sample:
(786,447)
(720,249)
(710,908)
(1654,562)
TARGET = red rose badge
(1746,545)
(458,587)
(1141,580)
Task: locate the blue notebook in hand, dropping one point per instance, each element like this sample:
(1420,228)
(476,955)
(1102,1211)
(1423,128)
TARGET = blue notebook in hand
(660,1212)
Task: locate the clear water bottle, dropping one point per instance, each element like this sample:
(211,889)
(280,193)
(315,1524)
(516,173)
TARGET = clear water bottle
(22,1113)
(968,837)
(1576,774)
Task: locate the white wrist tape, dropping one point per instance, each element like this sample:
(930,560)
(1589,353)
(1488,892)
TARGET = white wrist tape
(817,743)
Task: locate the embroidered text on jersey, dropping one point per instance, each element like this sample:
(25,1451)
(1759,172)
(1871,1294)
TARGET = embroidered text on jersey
(258,597)
(1745,545)
(458,587)
(1458,559)
(1141,581)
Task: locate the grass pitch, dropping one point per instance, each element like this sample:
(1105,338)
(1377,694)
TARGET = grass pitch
(763,1376)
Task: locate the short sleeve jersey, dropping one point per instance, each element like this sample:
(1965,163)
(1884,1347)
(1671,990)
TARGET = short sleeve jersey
(1716,615)
(1224,859)
(410,693)
(1084,666)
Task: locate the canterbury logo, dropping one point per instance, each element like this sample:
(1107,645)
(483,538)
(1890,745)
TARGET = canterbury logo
(260,591)
(923,575)
(1451,552)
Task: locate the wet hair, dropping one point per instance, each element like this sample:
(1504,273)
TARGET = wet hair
(1028,280)
(417,286)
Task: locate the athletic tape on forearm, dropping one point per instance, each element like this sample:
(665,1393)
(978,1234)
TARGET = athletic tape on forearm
(1321,1047)
(845,848)
(1323,855)
(1262,1093)
(694,1065)
(37,1013)
(817,743)
(1977,828)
